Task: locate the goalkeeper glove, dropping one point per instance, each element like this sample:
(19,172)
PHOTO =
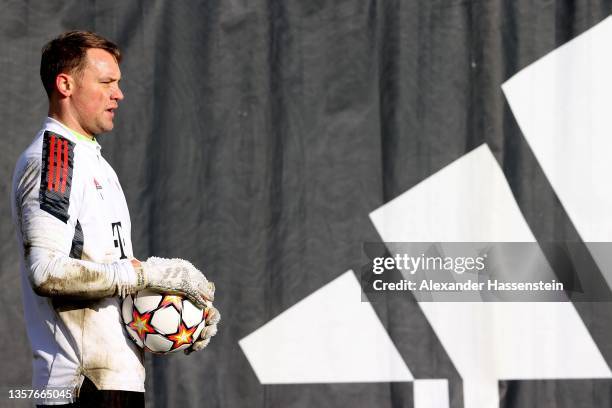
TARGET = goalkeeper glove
(174,276)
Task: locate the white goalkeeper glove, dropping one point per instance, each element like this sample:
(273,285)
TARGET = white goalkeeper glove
(174,276)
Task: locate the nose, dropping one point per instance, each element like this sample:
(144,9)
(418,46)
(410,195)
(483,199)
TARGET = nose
(117,94)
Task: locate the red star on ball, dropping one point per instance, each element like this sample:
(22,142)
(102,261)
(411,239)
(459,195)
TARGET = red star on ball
(174,300)
(140,323)
(183,336)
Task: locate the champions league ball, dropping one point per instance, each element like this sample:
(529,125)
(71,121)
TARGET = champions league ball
(161,323)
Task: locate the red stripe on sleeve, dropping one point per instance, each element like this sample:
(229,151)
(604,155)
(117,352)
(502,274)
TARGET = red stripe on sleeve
(58,168)
(51,168)
(65,167)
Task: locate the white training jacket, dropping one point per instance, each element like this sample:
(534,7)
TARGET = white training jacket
(73,227)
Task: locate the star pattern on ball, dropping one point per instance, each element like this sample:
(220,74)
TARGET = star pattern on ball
(183,336)
(140,323)
(174,300)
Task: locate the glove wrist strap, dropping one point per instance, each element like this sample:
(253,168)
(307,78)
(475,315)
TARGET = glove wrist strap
(140,278)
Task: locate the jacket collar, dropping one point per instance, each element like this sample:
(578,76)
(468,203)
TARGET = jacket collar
(63,130)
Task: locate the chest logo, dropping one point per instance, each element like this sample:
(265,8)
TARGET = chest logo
(98,188)
(118,239)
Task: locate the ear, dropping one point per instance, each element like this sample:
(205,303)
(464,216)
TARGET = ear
(64,84)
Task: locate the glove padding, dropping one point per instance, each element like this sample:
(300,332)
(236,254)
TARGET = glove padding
(212,318)
(177,276)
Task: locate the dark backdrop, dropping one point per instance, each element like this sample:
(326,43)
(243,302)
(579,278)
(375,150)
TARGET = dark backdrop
(255,138)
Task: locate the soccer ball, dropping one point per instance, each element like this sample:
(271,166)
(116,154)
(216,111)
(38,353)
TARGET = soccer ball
(162,323)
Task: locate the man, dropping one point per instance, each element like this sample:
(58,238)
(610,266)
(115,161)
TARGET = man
(73,225)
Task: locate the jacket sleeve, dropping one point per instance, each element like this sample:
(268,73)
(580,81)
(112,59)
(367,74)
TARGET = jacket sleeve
(40,208)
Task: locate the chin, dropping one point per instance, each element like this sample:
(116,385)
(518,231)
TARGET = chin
(106,128)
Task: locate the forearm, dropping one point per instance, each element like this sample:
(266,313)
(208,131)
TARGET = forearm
(52,273)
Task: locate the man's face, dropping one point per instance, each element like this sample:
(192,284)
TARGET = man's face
(96,94)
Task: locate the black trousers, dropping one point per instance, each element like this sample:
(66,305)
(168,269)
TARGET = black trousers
(91,397)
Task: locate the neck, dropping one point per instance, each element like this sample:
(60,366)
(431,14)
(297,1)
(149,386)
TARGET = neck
(67,119)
